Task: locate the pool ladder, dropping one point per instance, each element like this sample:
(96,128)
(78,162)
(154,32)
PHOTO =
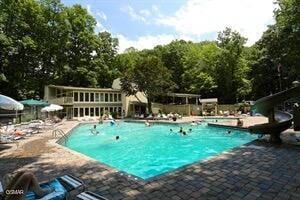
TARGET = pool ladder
(60,133)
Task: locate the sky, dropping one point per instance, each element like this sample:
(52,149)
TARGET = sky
(143,24)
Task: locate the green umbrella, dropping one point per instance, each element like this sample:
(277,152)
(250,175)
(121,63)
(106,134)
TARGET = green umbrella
(34,103)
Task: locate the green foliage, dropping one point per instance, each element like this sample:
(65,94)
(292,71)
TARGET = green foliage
(231,69)
(199,68)
(279,45)
(149,76)
(44,42)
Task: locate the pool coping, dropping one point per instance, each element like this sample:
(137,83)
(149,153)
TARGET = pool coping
(137,178)
(228,126)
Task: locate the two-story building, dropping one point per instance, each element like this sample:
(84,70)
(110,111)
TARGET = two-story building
(80,102)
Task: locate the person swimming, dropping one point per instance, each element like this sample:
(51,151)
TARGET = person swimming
(180,130)
(94,130)
(117,137)
(228,132)
(194,123)
(147,123)
(190,130)
(184,133)
(112,122)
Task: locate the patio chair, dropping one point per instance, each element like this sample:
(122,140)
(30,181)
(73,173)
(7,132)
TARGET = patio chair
(164,116)
(150,116)
(89,196)
(65,187)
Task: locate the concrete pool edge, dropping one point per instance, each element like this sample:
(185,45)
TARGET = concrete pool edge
(59,143)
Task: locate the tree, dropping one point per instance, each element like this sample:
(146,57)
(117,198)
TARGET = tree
(279,46)
(171,56)
(44,42)
(149,76)
(199,68)
(230,68)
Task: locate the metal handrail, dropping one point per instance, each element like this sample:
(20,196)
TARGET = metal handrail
(58,132)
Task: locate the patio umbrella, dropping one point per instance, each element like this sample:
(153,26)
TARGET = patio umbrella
(34,104)
(51,108)
(8,103)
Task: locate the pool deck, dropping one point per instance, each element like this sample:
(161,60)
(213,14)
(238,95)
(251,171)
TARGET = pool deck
(256,171)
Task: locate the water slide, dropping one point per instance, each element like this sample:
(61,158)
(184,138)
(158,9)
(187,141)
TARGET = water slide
(278,121)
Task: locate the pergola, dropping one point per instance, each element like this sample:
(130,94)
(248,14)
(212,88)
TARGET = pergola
(186,96)
(212,102)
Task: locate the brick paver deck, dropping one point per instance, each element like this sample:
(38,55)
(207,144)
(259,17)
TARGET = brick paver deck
(258,171)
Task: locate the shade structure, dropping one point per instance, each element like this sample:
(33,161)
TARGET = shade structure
(51,108)
(8,103)
(33,102)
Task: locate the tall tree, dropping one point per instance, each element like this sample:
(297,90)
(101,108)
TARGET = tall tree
(199,68)
(230,70)
(148,76)
(43,42)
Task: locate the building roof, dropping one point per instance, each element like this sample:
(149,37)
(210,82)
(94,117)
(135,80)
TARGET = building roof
(183,95)
(84,88)
(211,100)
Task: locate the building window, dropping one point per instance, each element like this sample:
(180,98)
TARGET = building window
(101,111)
(119,97)
(92,110)
(119,111)
(87,97)
(81,97)
(115,97)
(75,96)
(101,97)
(111,98)
(111,109)
(75,112)
(105,110)
(106,97)
(97,111)
(81,112)
(86,111)
(97,97)
(92,97)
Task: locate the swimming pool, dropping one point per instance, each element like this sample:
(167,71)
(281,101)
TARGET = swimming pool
(150,151)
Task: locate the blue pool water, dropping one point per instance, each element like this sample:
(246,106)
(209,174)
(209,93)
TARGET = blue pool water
(150,151)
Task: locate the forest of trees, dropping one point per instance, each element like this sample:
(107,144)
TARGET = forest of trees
(44,42)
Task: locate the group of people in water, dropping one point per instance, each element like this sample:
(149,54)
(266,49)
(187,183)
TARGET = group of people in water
(94,130)
(182,131)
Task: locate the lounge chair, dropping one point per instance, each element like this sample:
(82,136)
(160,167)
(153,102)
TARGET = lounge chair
(89,196)
(150,116)
(164,116)
(65,187)
(141,116)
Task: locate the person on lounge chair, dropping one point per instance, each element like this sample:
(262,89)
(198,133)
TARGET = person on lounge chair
(22,182)
(19,133)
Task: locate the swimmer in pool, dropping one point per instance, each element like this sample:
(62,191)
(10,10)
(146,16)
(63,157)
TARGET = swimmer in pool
(228,132)
(184,133)
(117,137)
(147,123)
(194,123)
(94,130)
(190,130)
(180,130)
(112,122)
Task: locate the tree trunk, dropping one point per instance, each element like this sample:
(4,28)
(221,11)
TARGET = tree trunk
(149,105)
